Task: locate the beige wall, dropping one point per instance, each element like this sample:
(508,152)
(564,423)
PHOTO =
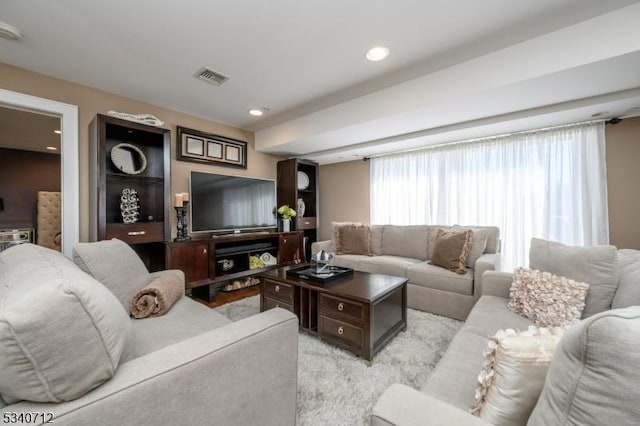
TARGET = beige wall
(623,179)
(92,101)
(344,194)
(344,187)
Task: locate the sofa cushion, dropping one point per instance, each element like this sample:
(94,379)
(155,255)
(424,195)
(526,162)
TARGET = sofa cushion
(425,275)
(628,291)
(353,239)
(594,375)
(376,239)
(545,298)
(490,314)
(186,319)
(348,260)
(405,241)
(62,333)
(513,373)
(389,265)
(596,266)
(115,264)
(451,249)
(455,376)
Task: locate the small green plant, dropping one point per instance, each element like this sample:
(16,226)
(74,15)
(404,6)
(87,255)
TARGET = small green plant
(286,212)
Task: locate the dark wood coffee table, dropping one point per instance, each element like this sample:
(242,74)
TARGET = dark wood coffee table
(360,313)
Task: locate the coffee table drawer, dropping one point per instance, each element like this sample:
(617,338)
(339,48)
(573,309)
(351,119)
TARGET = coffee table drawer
(274,303)
(339,308)
(341,333)
(277,290)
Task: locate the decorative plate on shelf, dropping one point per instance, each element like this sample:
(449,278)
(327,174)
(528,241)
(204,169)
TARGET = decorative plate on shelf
(303,181)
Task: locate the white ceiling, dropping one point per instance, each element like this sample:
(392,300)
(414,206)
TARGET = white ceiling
(28,130)
(457,69)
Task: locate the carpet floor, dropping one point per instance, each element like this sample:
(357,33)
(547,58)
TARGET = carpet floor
(336,387)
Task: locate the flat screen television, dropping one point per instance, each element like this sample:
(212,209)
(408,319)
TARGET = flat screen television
(225,204)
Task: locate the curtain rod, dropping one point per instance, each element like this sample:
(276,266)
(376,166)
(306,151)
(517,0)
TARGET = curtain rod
(499,136)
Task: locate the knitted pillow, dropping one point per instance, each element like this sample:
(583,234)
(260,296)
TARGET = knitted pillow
(546,299)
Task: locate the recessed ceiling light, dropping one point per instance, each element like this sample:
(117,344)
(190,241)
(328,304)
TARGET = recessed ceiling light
(52,148)
(258,112)
(599,114)
(57,132)
(377,53)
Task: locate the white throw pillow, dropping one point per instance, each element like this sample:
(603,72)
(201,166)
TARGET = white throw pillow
(62,333)
(513,374)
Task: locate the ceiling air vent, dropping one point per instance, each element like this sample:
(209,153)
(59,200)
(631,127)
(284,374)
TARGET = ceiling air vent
(211,76)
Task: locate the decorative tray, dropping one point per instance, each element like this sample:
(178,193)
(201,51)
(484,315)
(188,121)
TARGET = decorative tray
(332,273)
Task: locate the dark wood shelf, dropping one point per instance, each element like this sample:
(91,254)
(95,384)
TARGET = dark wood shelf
(153,186)
(199,258)
(288,193)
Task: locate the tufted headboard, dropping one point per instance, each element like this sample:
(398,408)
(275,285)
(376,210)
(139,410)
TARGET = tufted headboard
(49,219)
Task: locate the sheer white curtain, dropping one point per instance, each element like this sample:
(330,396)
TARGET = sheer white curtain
(548,184)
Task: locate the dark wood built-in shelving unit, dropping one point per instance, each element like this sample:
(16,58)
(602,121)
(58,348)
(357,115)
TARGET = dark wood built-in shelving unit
(153,186)
(201,259)
(289,191)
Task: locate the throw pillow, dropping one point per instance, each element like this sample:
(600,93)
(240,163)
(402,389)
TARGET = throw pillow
(353,239)
(61,337)
(546,299)
(596,266)
(451,249)
(478,243)
(513,374)
(334,232)
(593,378)
(115,264)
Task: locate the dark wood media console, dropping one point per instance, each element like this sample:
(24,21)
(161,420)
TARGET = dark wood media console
(211,262)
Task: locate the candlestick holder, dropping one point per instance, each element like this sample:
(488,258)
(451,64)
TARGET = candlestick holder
(182,223)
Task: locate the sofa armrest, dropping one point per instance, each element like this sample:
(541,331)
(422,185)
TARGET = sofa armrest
(320,245)
(494,283)
(401,405)
(239,374)
(486,262)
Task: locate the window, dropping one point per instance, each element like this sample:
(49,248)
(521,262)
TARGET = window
(547,184)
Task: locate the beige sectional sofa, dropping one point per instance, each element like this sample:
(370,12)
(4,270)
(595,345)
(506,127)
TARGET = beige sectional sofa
(404,251)
(593,377)
(67,342)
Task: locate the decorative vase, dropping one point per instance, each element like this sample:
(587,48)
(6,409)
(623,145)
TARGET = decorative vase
(301,207)
(286,225)
(129,205)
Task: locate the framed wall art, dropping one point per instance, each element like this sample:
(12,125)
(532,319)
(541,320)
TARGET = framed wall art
(201,147)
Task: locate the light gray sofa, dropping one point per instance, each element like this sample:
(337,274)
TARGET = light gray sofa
(190,366)
(404,251)
(593,377)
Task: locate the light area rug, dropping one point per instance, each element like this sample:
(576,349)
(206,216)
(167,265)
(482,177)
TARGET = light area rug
(336,387)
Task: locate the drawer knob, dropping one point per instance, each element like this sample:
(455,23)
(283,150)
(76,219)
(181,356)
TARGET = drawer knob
(307,222)
(340,331)
(340,307)
(204,251)
(133,233)
(277,289)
